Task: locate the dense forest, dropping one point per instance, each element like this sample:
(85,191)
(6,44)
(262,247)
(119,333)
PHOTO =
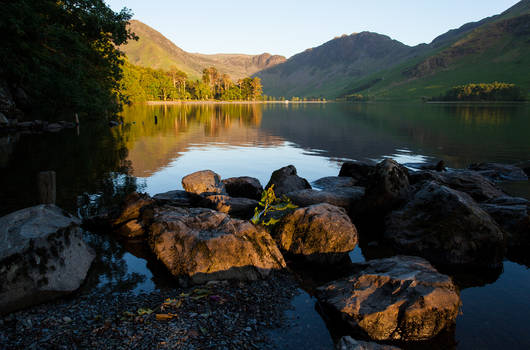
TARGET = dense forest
(61,56)
(146,84)
(483,92)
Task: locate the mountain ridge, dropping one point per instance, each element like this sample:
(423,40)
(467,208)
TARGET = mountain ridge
(154,50)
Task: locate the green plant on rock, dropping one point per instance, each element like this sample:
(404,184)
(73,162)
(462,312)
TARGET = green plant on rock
(270,204)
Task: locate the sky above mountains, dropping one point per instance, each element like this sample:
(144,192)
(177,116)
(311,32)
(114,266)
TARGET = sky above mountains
(288,27)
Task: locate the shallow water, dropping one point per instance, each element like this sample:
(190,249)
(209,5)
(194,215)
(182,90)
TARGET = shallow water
(254,140)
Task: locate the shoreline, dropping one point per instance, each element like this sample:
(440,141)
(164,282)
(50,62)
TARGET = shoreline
(194,102)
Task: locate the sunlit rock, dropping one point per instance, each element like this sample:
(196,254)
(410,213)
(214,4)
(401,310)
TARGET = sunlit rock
(320,233)
(204,181)
(398,298)
(200,245)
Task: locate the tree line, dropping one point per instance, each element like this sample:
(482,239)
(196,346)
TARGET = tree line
(483,92)
(146,84)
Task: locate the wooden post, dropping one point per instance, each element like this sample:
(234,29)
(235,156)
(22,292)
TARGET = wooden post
(47,190)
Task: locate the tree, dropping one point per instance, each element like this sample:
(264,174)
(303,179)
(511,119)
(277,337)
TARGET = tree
(64,53)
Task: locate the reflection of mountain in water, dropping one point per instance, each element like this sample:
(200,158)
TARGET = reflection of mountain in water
(153,146)
(460,134)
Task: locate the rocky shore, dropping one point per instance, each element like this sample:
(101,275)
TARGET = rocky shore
(234,276)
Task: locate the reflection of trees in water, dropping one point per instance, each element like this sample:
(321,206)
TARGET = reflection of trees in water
(487,115)
(177,119)
(108,272)
(152,145)
(82,162)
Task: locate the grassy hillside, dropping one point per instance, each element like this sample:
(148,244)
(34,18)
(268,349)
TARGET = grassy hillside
(496,51)
(325,71)
(156,51)
(493,49)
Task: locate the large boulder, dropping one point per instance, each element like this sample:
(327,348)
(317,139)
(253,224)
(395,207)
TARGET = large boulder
(319,233)
(447,227)
(470,182)
(42,256)
(286,180)
(344,197)
(204,181)
(243,186)
(499,172)
(360,172)
(513,216)
(398,298)
(199,245)
(348,343)
(387,186)
(238,207)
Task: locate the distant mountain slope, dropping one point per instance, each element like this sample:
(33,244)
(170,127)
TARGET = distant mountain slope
(498,49)
(494,48)
(156,51)
(327,69)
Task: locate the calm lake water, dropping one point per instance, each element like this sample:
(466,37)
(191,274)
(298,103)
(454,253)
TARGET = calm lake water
(254,140)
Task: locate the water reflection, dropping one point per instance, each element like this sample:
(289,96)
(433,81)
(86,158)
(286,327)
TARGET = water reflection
(254,140)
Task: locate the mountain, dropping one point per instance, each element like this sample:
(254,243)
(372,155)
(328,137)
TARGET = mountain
(156,51)
(328,69)
(496,48)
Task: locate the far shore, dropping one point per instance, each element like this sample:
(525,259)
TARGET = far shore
(200,102)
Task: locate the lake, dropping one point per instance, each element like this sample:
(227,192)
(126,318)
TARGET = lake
(154,154)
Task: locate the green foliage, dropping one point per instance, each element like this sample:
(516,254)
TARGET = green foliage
(63,53)
(270,204)
(141,84)
(483,92)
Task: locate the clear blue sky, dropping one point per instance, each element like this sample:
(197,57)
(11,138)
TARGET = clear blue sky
(288,27)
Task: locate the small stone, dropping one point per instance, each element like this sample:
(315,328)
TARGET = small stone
(67,319)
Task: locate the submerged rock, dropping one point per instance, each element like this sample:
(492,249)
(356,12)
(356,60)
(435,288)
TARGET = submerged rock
(205,181)
(319,233)
(42,256)
(500,172)
(398,298)
(348,343)
(445,226)
(243,186)
(470,182)
(200,245)
(286,180)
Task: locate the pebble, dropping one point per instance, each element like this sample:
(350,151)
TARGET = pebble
(106,319)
